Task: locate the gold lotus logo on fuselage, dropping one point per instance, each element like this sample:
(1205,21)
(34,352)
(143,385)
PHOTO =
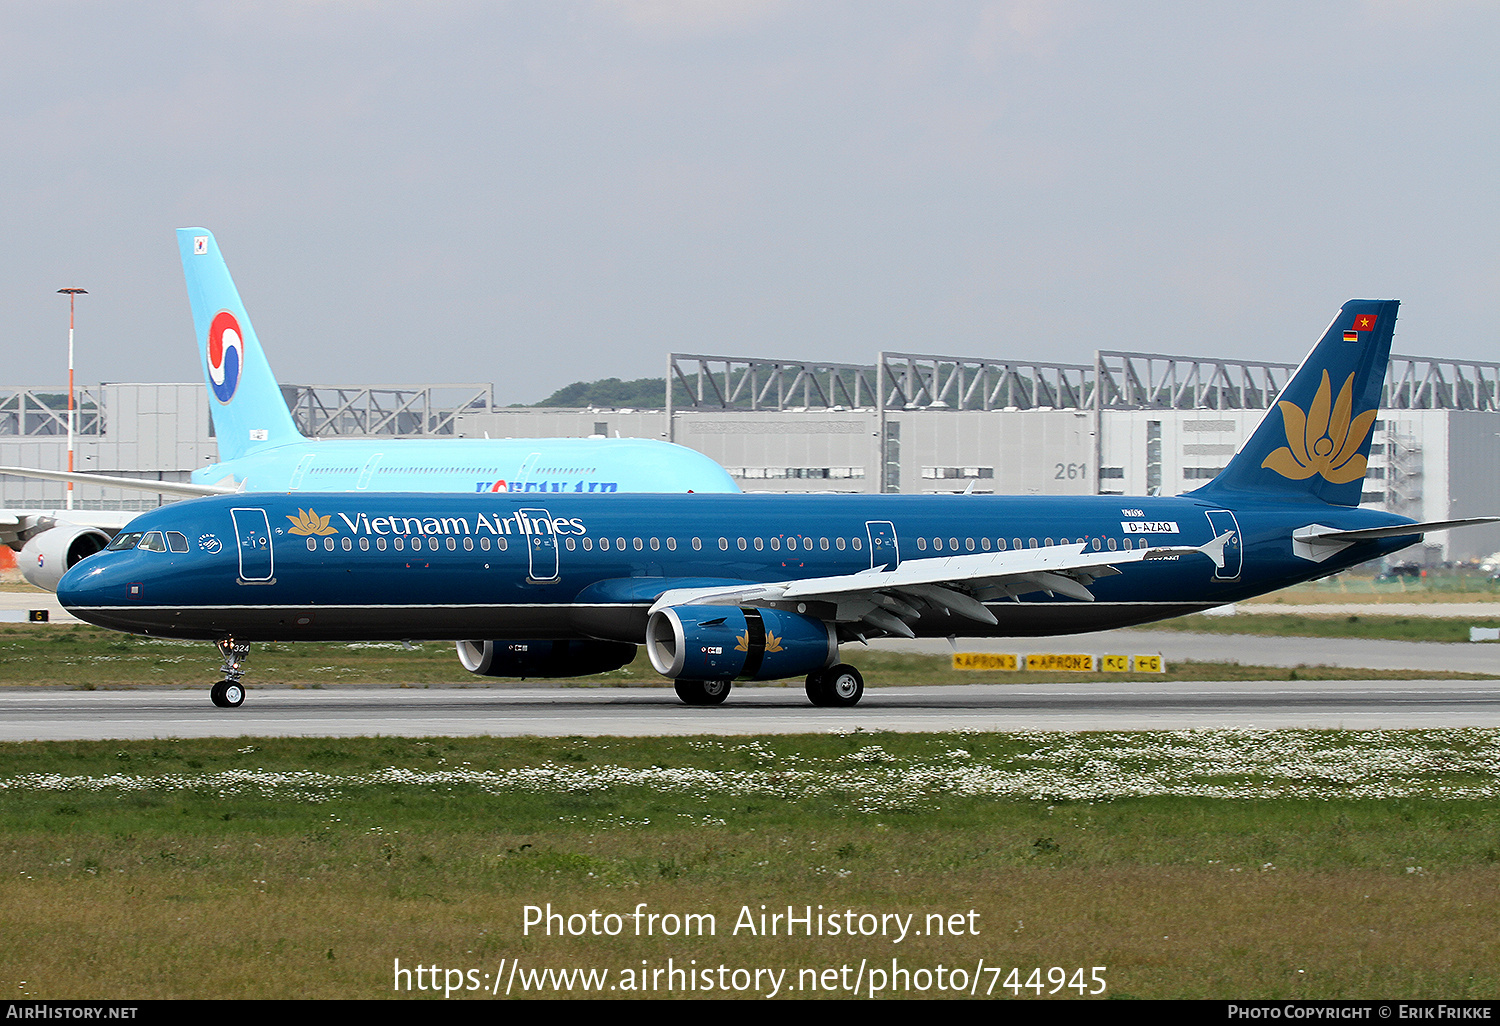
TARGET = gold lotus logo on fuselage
(1325,439)
(307,521)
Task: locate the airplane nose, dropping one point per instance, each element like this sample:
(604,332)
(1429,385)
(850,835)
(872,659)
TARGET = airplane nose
(82,585)
(97,582)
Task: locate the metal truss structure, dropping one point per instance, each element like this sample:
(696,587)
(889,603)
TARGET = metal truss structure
(740,383)
(912,381)
(1425,383)
(1134,381)
(1115,381)
(898,381)
(409,410)
(42,412)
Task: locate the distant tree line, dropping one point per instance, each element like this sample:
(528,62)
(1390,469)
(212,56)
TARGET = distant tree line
(642,393)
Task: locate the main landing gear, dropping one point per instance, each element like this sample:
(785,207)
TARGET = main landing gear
(838,686)
(702,692)
(229,693)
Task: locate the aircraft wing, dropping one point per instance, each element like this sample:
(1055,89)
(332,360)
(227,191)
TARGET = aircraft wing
(886,598)
(160,487)
(18,525)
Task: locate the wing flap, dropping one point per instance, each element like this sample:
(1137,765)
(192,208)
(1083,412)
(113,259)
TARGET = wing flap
(887,599)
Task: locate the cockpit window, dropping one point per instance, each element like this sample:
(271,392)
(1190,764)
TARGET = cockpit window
(177,541)
(124,541)
(153,542)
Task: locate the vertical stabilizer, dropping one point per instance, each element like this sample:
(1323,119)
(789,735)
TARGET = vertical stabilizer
(1315,442)
(245,401)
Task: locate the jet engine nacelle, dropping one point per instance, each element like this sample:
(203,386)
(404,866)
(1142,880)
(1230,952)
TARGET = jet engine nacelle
(50,554)
(729,642)
(543,658)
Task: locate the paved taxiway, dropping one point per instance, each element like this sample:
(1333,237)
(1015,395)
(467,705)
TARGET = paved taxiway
(510,710)
(1245,649)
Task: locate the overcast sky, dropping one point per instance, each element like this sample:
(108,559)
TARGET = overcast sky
(533,193)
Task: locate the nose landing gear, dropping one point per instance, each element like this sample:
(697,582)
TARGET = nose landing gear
(229,693)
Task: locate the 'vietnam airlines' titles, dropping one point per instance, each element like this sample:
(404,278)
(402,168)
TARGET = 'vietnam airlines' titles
(521,522)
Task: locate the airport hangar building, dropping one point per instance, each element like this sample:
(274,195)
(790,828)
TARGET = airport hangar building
(1127,424)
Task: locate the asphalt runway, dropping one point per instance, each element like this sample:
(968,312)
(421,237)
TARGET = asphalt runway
(510,710)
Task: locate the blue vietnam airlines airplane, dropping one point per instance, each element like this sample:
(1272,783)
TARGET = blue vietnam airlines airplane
(261,450)
(759,587)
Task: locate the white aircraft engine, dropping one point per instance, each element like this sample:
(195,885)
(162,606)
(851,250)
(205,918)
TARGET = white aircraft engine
(50,554)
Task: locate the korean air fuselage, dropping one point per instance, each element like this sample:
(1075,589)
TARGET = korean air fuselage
(526,465)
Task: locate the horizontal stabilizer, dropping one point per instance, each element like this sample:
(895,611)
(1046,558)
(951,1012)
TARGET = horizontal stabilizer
(1317,543)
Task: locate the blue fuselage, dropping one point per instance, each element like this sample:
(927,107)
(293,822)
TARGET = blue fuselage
(421,566)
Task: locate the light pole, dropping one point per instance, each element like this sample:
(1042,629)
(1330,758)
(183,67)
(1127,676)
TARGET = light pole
(72,295)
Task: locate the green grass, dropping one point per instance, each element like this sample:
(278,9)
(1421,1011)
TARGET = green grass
(1191,864)
(1450,584)
(1315,625)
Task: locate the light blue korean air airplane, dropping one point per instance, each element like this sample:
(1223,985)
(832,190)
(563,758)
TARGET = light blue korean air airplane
(261,450)
(761,587)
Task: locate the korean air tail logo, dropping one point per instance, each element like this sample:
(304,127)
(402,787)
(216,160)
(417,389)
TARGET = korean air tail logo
(226,355)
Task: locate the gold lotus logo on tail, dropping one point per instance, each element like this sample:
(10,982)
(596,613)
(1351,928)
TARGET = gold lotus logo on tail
(307,521)
(1323,439)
